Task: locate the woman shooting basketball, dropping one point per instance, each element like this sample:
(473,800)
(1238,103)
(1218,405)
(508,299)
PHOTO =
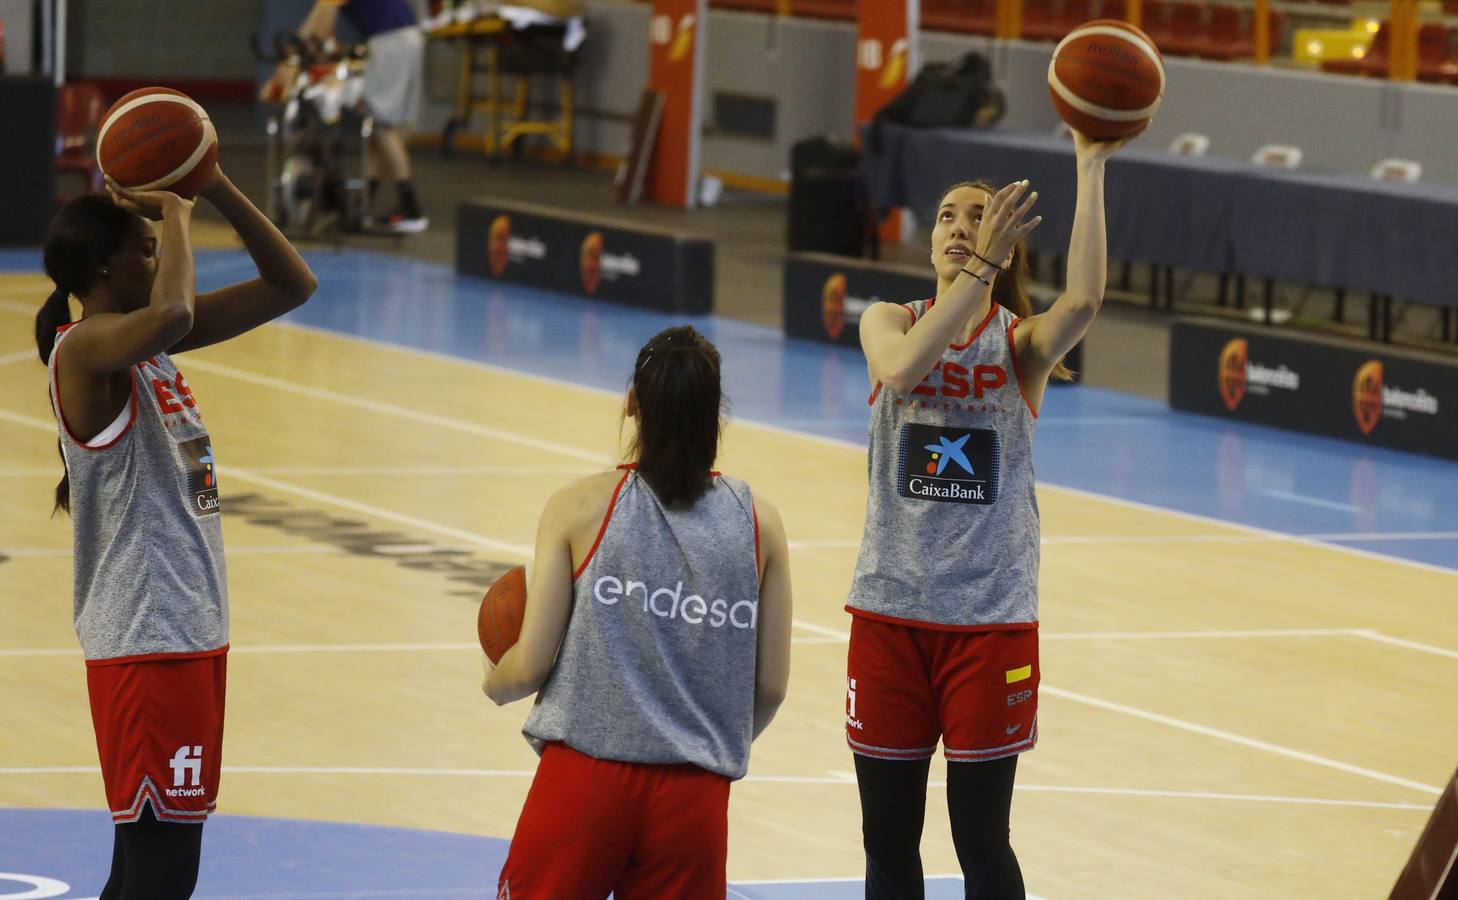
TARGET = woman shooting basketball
(944,641)
(141,485)
(657,638)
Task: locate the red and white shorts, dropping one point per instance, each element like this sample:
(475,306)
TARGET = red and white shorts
(159,732)
(908,686)
(591,827)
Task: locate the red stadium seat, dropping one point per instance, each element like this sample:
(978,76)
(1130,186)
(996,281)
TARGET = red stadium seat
(1226,37)
(964,16)
(1156,21)
(1115,9)
(79,107)
(1075,13)
(1041,21)
(1435,53)
(1186,33)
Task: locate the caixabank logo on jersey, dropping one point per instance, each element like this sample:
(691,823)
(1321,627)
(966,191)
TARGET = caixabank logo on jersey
(202,475)
(1237,375)
(950,465)
(1373,399)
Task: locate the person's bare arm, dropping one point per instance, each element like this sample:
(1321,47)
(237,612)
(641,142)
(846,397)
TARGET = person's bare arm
(776,611)
(284,280)
(319,24)
(525,666)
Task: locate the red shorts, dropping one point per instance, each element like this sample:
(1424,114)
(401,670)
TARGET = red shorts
(591,827)
(159,732)
(907,686)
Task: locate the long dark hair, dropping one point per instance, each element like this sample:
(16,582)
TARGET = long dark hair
(676,380)
(82,237)
(1010,289)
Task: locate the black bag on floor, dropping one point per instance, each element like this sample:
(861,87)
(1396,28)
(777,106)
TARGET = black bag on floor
(945,96)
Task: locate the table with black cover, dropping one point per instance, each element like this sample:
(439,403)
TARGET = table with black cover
(1343,231)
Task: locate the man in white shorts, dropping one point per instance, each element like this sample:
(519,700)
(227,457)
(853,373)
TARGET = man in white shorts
(392,90)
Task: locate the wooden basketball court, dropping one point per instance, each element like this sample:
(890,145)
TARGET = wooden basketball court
(1225,711)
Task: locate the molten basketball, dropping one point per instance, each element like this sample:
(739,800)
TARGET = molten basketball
(1106,79)
(157,139)
(498,624)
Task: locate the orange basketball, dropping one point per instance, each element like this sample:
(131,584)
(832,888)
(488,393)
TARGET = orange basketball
(156,139)
(498,624)
(1106,79)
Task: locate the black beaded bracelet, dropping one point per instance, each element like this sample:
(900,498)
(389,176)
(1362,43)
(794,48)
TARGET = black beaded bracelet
(978,277)
(989,262)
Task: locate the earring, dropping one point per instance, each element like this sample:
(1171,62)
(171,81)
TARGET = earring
(104,270)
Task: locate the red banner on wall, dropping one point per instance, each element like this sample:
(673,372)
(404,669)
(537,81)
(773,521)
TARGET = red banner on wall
(887,57)
(677,34)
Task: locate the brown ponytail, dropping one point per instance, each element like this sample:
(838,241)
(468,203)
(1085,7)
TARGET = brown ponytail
(54,313)
(1010,289)
(676,381)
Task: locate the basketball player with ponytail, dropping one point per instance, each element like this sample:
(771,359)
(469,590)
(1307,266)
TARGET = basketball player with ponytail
(150,600)
(656,637)
(944,640)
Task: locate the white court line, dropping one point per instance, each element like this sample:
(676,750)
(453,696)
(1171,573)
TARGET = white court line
(1372,635)
(1311,501)
(419,470)
(319,393)
(842,779)
(1233,738)
(18,356)
(243,550)
(831,636)
(523,551)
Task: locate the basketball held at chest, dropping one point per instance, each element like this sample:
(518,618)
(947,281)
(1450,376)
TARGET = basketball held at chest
(1106,79)
(157,139)
(498,623)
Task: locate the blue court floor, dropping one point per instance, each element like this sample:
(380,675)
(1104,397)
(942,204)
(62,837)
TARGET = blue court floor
(1115,445)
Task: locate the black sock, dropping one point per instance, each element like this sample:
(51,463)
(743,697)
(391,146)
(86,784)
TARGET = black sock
(408,204)
(373,189)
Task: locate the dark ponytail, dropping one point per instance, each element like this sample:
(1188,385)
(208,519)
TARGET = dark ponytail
(54,313)
(83,236)
(676,381)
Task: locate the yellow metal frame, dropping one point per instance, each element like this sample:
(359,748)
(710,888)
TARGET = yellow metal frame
(506,117)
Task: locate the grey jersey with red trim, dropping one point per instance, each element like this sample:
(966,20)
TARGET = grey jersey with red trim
(149,570)
(657,664)
(952,532)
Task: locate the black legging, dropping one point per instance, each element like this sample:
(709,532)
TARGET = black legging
(893,807)
(152,860)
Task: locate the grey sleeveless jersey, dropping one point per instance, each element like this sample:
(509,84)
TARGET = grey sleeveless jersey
(951,536)
(149,571)
(657,664)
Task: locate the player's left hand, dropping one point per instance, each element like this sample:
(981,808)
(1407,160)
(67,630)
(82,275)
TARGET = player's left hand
(487,667)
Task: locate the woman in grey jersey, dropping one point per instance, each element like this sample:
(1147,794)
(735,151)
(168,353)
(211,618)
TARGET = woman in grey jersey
(944,641)
(150,600)
(657,639)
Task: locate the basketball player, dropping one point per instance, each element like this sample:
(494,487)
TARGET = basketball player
(657,639)
(141,484)
(944,640)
